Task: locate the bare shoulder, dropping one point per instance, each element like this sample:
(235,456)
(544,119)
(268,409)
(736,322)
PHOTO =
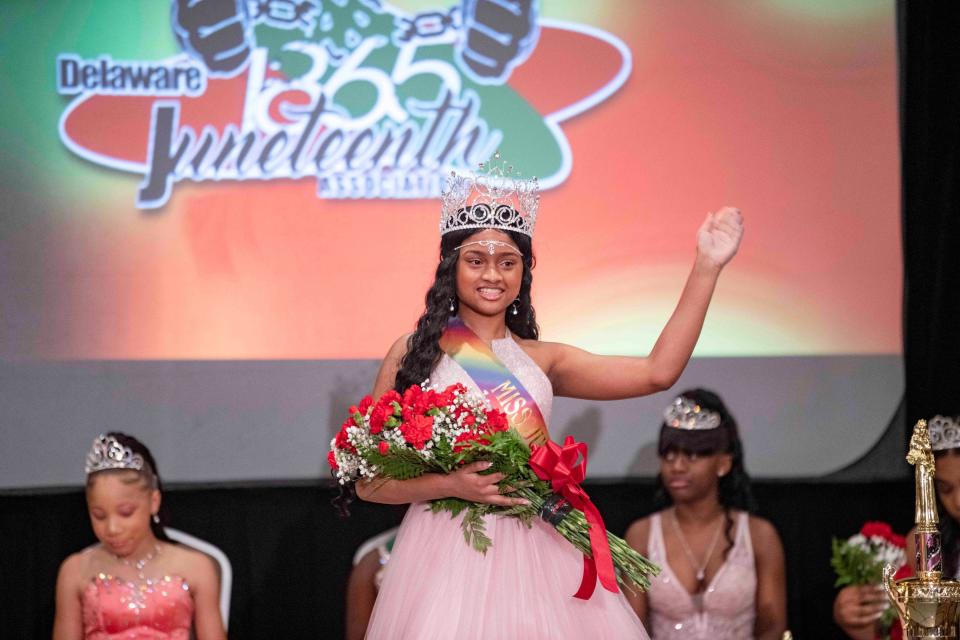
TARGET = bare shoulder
(72,568)
(763,533)
(387,375)
(195,566)
(544,353)
(399,348)
(762,527)
(76,569)
(638,533)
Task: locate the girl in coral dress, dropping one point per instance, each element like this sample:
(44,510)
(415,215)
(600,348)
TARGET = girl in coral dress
(135,584)
(437,586)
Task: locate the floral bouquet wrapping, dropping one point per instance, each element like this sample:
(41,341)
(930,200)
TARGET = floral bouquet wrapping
(430,431)
(860,560)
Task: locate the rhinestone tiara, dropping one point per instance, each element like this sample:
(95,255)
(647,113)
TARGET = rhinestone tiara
(944,433)
(496,197)
(107,453)
(684,413)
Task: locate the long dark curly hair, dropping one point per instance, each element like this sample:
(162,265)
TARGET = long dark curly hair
(149,475)
(734,490)
(423,346)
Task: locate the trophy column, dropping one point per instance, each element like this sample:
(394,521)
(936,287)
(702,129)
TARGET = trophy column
(928,605)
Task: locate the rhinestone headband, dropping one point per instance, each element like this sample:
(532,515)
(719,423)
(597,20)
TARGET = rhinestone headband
(493,198)
(684,413)
(490,246)
(107,453)
(944,433)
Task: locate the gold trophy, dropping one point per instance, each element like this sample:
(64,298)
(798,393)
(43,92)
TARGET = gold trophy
(928,605)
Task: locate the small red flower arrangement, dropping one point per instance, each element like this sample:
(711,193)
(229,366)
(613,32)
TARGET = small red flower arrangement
(860,560)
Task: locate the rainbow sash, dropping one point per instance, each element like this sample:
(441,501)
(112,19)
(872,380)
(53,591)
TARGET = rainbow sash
(503,389)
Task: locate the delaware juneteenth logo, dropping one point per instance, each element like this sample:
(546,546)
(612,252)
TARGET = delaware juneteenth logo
(366,100)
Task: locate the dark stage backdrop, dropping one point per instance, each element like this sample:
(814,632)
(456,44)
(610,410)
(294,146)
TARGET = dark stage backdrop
(930,140)
(291,554)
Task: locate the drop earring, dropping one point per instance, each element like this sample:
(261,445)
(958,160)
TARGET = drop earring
(515,303)
(452,307)
(156,518)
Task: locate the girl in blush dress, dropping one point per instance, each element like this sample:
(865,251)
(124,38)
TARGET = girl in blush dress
(722,569)
(135,584)
(479,328)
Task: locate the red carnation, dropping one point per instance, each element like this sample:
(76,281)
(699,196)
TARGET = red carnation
(388,397)
(365,404)
(883,530)
(468,436)
(875,528)
(444,399)
(341,441)
(384,447)
(417,430)
(377,417)
(332,460)
(411,394)
(496,421)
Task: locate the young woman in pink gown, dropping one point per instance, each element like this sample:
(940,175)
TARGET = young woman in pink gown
(436,586)
(135,584)
(722,569)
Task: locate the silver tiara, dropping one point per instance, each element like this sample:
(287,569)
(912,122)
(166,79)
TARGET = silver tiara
(107,453)
(684,413)
(944,433)
(494,198)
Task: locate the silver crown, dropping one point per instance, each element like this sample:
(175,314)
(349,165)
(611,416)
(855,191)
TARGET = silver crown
(684,413)
(494,198)
(944,433)
(107,453)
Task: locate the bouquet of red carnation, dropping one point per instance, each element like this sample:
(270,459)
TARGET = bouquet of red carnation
(429,431)
(860,560)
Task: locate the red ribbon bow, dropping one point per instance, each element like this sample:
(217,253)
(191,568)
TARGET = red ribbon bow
(560,466)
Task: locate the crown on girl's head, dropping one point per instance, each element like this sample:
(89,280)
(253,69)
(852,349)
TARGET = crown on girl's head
(684,413)
(494,198)
(107,453)
(944,433)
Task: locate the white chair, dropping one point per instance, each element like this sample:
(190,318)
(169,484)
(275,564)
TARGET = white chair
(226,569)
(374,542)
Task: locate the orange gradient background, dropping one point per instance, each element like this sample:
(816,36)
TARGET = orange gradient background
(789,116)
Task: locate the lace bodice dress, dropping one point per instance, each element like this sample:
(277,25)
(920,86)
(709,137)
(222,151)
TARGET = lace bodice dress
(729,602)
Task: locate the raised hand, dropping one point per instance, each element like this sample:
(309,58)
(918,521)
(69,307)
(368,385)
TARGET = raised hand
(719,236)
(468,483)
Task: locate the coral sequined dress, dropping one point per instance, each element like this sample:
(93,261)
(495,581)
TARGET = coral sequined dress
(151,609)
(437,587)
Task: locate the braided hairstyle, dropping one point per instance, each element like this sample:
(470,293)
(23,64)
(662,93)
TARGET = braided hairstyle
(423,346)
(734,491)
(148,475)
